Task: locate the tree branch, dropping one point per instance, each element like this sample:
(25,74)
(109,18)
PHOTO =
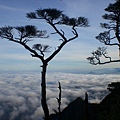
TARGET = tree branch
(75,33)
(57,31)
(59,102)
(111,61)
(33,52)
(56,51)
(112,44)
(64,39)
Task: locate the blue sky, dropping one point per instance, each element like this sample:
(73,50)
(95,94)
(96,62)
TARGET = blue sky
(73,56)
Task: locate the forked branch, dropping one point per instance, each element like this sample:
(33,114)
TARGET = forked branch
(95,59)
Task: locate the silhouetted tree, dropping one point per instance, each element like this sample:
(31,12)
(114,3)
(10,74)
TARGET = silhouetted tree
(110,105)
(109,37)
(114,87)
(58,113)
(24,34)
(59,102)
(86,107)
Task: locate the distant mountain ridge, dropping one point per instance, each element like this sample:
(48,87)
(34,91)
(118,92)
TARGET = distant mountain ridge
(106,71)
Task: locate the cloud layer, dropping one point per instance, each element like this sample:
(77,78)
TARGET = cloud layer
(20,92)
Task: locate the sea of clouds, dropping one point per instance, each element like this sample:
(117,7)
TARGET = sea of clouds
(20,92)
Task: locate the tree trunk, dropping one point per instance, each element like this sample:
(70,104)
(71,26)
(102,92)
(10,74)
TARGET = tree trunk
(86,107)
(43,92)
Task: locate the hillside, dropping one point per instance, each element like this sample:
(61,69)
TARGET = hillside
(107,109)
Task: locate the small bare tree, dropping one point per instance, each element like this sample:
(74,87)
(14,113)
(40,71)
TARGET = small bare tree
(111,37)
(24,34)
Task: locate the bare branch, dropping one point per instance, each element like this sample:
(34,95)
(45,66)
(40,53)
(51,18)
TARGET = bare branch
(54,33)
(63,32)
(56,51)
(75,33)
(64,39)
(26,40)
(102,63)
(59,102)
(57,31)
(96,55)
(61,39)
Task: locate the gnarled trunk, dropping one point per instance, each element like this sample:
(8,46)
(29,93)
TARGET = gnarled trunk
(43,92)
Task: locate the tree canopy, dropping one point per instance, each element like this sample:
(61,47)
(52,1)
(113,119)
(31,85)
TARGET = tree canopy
(54,16)
(110,37)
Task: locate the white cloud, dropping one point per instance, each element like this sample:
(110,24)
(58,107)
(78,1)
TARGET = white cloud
(20,92)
